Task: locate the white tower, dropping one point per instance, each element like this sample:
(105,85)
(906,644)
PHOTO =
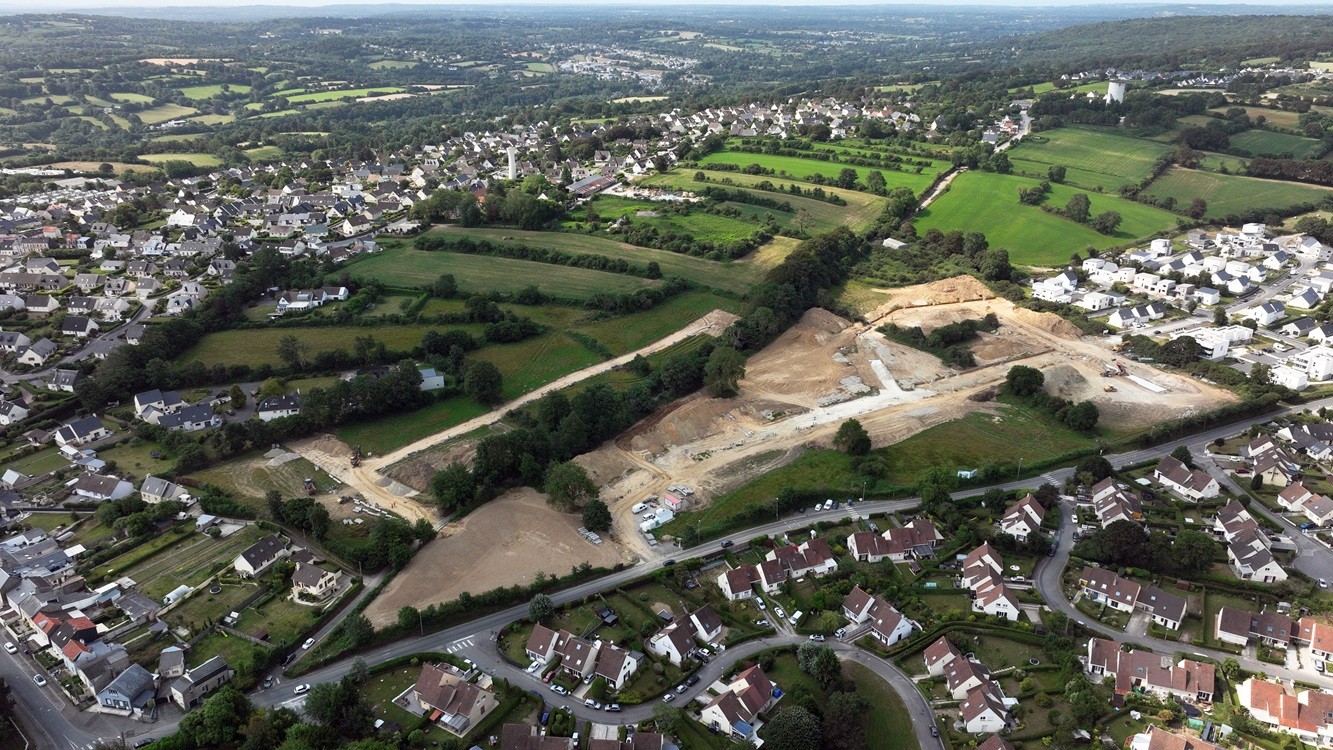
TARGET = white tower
(513,163)
(1115,92)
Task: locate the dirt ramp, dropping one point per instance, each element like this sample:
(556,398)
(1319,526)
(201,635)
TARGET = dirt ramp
(1048,322)
(943,292)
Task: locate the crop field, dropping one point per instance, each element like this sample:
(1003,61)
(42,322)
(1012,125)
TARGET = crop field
(123,96)
(861,211)
(409,267)
(209,91)
(258,347)
(988,203)
(1092,158)
(329,96)
(1260,142)
(797,168)
(729,276)
(197,159)
(1232,193)
(699,224)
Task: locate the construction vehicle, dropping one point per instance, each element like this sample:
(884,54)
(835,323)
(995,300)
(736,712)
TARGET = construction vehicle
(310,486)
(1109,389)
(356,457)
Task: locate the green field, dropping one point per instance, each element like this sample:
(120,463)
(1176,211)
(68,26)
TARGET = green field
(409,267)
(803,169)
(888,713)
(122,96)
(197,159)
(164,112)
(212,90)
(1277,117)
(861,211)
(329,96)
(391,64)
(1093,158)
(1260,142)
(258,347)
(1082,88)
(702,226)
(264,153)
(736,277)
(1228,194)
(211,119)
(988,203)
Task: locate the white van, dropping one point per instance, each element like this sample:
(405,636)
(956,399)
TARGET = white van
(795,617)
(641,507)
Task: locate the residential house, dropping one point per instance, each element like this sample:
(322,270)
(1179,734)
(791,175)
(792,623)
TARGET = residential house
(451,701)
(1144,671)
(1238,627)
(1308,714)
(78,326)
(155,490)
(1191,484)
(132,693)
(276,407)
(191,688)
(528,737)
(37,354)
(256,559)
(886,623)
(1105,587)
(101,488)
(311,583)
(82,431)
(1023,518)
(939,655)
(915,539)
(736,709)
(616,665)
(1158,738)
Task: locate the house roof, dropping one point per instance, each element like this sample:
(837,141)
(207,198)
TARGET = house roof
(1107,583)
(263,551)
(941,651)
(445,691)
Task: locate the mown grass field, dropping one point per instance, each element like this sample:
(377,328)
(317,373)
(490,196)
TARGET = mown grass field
(164,112)
(209,91)
(329,96)
(1092,158)
(1260,142)
(409,267)
(125,96)
(391,64)
(264,153)
(988,203)
(197,159)
(1278,117)
(1232,193)
(259,347)
(860,212)
(736,277)
(699,224)
(796,168)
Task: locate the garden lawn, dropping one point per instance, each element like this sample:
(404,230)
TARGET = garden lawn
(409,267)
(728,276)
(135,457)
(202,607)
(1093,158)
(793,167)
(1228,194)
(264,153)
(1272,143)
(988,203)
(282,619)
(239,653)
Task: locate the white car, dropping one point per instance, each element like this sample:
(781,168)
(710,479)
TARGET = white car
(11,648)
(302,689)
(308,643)
(40,680)
(1323,584)
(639,508)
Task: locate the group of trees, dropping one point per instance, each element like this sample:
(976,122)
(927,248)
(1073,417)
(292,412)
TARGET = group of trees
(1026,383)
(948,342)
(1125,544)
(1079,208)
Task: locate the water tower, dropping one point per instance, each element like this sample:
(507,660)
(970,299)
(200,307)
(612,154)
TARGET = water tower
(513,163)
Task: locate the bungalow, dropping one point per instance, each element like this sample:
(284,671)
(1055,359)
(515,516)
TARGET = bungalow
(1023,518)
(78,326)
(451,701)
(675,641)
(276,407)
(734,711)
(1190,484)
(1239,626)
(1166,609)
(155,490)
(256,559)
(812,557)
(191,419)
(81,432)
(100,488)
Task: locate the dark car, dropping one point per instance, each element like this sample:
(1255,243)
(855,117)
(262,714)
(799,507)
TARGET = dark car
(694,680)
(934,732)
(145,742)
(669,563)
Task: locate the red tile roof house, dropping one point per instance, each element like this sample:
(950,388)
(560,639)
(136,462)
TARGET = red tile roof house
(1318,634)
(1157,738)
(939,655)
(1104,586)
(1023,518)
(1145,671)
(450,701)
(812,557)
(982,574)
(983,710)
(736,709)
(1190,484)
(1308,714)
(887,624)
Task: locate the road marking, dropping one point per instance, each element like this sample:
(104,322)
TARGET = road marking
(459,645)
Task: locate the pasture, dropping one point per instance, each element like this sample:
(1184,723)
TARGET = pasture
(164,112)
(987,202)
(391,64)
(1227,194)
(1276,117)
(259,347)
(197,159)
(409,267)
(796,168)
(709,273)
(699,224)
(263,153)
(1092,158)
(125,96)
(335,95)
(861,211)
(208,91)
(1269,142)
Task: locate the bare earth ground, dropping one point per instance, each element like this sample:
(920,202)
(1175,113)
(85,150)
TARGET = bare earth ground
(827,369)
(504,542)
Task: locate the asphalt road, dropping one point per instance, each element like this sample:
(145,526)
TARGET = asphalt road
(66,728)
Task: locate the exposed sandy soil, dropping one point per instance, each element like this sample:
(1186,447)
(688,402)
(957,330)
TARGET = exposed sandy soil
(505,542)
(334,456)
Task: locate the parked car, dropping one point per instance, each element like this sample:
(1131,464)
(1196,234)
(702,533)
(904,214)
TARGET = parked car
(548,676)
(590,703)
(1307,526)
(934,732)
(639,508)
(840,632)
(546,717)
(669,697)
(828,504)
(759,602)
(308,643)
(302,689)
(1323,584)
(268,681)
(817,637)
(11,648)
(694,680)
(682,687)
(40,680)
(727,543)
(668,563)
(613,708)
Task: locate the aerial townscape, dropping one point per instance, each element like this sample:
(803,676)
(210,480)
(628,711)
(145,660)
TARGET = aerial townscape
(704,377)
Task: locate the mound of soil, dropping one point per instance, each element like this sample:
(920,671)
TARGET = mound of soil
(1066,382)
(819,319)
(1048,322)
(942,292)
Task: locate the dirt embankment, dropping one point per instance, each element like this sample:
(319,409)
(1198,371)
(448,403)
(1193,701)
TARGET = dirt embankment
(504,542)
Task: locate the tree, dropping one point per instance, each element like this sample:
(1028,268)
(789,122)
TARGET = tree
(1193,553)
(1097,466)
(1078,207)
(1023,381)
(453,487)
(272,387)
(723,372)
(852,438)
(1121,543)
(668,718)
(793,728)
(237,397)
(483,383)
(291,351)
(1106,222)
(1257,482)
(341,707)
(409,617)
(540,608)
(1056,173)
(1198,209)
(569,486)
(1082,416)
(1219,316)
(1182,454)
(847,178)
(819,661)
(596,516)
(845,719)
(357,628)
(995,265)
(1230,670)
(216,722)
